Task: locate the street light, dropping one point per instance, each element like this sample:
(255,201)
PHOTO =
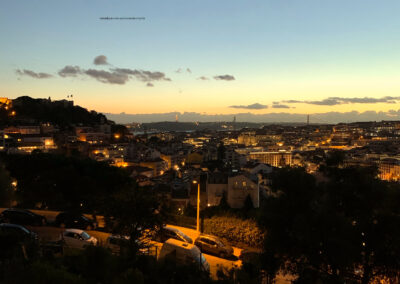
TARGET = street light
(198,205)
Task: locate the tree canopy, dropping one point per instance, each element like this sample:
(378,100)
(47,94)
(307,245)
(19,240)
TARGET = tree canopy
(345,227)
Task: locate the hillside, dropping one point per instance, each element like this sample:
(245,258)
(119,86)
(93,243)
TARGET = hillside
(62,113)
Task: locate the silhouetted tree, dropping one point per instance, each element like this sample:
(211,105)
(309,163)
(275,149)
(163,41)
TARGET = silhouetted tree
(6,190)
(344,229)
(221,151)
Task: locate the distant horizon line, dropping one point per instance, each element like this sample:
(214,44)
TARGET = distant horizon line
(332,117)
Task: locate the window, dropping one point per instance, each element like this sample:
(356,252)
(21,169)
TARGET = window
(85,236)
(203,240)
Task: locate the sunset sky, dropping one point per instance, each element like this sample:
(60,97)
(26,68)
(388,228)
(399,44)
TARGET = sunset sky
(208,56)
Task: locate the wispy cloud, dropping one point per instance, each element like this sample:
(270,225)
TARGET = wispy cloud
(108,77)
(117,76)
(203,78)
(253,106)
(150,84)
(183,70)
(224,77)
(70,71)
(331,101)
(280,106)
(141,75)
(33,74)
(100,60)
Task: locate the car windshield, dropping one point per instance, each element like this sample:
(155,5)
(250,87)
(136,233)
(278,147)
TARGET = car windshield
(85,236)
(25,230)
(219,242)
(85,218)
(185,237)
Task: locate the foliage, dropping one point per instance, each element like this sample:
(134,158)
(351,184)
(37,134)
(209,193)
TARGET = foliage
(136,211)
(43,111)
(344,229)
(64,183)
(235,230)
(6,191)
(97,265)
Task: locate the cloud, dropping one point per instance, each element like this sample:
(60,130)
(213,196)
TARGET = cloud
(253,106)
(224,77)
(141,75)
(150,84)
(33,74)
(180,70)
(280,106)
(118,76)
(70,71)
(100,60)
(331,101)
(203,78)
(108,77)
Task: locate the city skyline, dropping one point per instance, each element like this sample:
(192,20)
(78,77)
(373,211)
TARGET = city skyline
(268,59)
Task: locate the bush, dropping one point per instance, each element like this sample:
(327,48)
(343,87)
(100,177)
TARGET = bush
(235,230)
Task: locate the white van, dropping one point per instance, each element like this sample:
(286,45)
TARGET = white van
(183,253)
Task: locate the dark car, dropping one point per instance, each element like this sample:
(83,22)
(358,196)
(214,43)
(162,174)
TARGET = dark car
(74,220)
(17,232)
(213,245)
(22,217)
(167,232)
(250,255)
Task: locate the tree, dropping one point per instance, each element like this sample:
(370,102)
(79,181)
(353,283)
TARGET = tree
(221,152)
(136,212)
(345,229)
(6,188)
(64,183)
(248,204)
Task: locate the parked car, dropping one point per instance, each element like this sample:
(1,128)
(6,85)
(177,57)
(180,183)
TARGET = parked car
(183,253)
(20,233)
(117,244)
(22,217)
(167,232)
(213,245)
(250,255)
(76,238)
(74,220)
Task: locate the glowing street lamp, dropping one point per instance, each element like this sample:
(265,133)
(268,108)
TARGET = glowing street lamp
(198,205)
